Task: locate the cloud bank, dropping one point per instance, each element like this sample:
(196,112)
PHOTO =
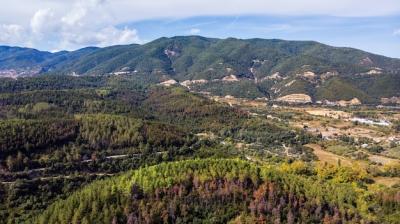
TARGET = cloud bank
(85,23)
(57,24)
(11,33)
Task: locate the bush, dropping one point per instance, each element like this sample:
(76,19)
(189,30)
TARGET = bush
(375,149)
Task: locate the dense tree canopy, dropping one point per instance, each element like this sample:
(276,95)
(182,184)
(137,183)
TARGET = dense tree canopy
(58,134)
(219,191)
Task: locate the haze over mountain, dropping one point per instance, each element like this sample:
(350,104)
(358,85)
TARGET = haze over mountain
(243,68)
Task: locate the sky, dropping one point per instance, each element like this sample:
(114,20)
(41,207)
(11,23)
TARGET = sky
(55,25)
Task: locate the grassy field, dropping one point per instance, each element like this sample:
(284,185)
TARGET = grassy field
(387,181)
(329,157)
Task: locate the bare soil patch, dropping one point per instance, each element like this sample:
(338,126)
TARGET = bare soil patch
(387,181)
(329,157)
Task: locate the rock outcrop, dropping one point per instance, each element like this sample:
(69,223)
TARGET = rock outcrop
(391,100)
(230,78)
(168,82)
(352,102)
(295,99)
(188,83)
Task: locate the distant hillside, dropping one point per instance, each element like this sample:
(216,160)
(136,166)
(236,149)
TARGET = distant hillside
(17,61)
(243,68)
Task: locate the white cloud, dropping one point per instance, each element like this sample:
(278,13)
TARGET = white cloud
(396,32)
(76,23)
(194,31)
(134,10)
(11,34)
(114,36)
(101,38)
(139,10)
(44,21)
(82,10)
(86,23)
(74,17)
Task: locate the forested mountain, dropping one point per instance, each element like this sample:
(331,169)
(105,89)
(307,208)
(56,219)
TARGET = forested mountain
(58,133)
(135,134)
(16,61)
(15,57)
(257,67)
(88,149)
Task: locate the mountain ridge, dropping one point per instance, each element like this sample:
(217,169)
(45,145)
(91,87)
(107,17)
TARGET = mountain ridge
(271,68)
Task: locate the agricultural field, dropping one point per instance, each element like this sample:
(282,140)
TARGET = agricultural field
(342,137)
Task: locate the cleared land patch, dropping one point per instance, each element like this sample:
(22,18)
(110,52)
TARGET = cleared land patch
(329,157)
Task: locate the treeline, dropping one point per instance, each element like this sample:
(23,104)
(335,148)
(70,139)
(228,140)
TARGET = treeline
(28,135)
(65,98)
(53,82)
(99,131)
(113,95)
(40,127)
(267,133)
(102,131)
(115,131)
(219,191)
(190,110)
(66,102)
(26,198)
(34,192)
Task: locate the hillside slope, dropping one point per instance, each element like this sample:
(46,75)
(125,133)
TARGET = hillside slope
(217,191)
(256,67)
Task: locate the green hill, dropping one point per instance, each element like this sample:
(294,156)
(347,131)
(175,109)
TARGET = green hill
(220,191)
(118,149)
(193,57)
(251,61)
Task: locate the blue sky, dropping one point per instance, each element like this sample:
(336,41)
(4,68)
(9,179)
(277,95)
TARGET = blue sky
(374,34)
(55,25)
